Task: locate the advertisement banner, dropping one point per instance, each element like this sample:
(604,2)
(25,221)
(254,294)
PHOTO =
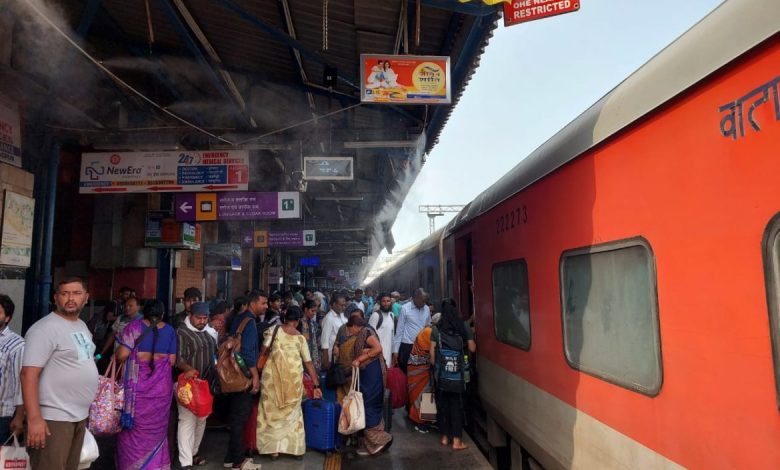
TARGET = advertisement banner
(521,11)
(241,205)
(182,171)
(405,79)
(16,237)
(10,135)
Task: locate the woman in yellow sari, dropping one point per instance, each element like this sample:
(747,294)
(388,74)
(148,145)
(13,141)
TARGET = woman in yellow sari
(279,416)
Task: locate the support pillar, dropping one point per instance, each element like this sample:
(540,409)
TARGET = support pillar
(47,247)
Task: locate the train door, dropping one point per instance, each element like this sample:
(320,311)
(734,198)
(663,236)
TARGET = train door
(465,275)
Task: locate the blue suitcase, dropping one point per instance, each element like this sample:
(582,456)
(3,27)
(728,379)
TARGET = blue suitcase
(320,423)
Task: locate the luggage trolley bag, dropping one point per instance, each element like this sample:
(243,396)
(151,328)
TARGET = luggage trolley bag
(396,382)
(320,423)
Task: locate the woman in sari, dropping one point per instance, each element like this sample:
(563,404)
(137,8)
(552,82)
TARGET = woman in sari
(344,350)
(279,416)
(367,353)
(149,348)
(418,380)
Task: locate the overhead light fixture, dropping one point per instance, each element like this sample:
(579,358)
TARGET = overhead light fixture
(380,144)
(338,198)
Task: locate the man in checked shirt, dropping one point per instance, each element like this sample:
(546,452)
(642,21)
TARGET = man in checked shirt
(11,351)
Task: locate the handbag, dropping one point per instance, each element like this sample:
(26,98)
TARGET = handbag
(14,456)
(266,352)
(428,407)
(106,409)
(335,377)
(353,413)
(89,451)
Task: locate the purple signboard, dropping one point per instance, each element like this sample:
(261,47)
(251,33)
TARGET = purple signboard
(247,206)
(247,238)
(185,207)
(285,238)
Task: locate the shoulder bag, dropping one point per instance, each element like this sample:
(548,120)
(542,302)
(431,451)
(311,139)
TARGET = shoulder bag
(353,413)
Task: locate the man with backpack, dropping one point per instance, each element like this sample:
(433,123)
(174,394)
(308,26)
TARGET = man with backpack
(450,338)
(243,324)
(383,322)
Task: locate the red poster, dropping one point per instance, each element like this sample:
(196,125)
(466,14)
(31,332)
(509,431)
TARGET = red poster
(520,11)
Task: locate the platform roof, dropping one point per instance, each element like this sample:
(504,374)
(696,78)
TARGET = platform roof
(203,74)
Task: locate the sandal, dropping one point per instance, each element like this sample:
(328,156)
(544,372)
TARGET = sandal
(199,461)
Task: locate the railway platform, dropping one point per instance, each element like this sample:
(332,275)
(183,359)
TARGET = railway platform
(410,449)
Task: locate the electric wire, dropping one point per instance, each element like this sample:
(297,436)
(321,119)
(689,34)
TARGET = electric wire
(117,79)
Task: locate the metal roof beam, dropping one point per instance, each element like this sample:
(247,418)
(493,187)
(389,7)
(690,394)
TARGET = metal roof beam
(227,79)
(282,37)
(184,33)
(287,18)
(473,9)
(159,72)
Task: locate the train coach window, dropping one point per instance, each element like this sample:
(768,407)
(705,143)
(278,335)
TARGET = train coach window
(610,314)
(771,250)
(511,309)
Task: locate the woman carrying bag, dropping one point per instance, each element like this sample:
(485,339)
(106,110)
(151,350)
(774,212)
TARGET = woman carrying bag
(449,340)
(370,382)
(279,416)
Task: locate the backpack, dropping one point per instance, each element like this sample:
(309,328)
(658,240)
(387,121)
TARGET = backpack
(379,322)
(231,376)
(449,363)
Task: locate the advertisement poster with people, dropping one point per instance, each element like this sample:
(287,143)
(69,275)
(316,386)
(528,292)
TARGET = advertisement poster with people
(405,79)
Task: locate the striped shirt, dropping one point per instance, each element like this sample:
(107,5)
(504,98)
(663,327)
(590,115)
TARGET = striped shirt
(11,352)
(195,348)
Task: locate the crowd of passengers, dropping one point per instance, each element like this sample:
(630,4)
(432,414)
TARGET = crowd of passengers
(49,378)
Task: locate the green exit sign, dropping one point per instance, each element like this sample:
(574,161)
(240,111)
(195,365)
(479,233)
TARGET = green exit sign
(288,204)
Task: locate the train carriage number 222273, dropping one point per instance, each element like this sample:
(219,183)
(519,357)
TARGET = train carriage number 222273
(512,219)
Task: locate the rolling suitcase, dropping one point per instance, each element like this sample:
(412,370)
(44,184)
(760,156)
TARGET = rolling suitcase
(320,423)
(396,382)
(387,410)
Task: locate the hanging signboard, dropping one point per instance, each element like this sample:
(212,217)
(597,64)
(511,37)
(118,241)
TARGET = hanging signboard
(163,231)
(405,79)
(324,168)
(222,257)
(521,11)
(285,238)
(144,172)
(241,205)
(10,135)
(16,236)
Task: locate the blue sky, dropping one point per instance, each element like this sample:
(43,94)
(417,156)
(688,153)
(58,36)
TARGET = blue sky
(534,78)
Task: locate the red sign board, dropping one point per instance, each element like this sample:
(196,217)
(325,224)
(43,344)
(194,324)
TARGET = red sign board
(520,11)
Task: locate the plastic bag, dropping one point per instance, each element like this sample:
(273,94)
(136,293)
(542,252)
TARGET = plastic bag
(14,456)
(89,451)
(194,394)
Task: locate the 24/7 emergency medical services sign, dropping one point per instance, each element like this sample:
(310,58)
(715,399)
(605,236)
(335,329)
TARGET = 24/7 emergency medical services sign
(520,11)
(144,172)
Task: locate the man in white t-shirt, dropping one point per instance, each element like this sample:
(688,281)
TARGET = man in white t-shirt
(330,326)
(382,322)
(59,380)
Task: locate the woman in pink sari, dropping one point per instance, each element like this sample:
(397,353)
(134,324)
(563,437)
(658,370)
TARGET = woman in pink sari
(149,347)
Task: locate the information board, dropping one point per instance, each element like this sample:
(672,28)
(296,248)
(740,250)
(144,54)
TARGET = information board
(222,257)
(144,172)
(240,205)
(326,168)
